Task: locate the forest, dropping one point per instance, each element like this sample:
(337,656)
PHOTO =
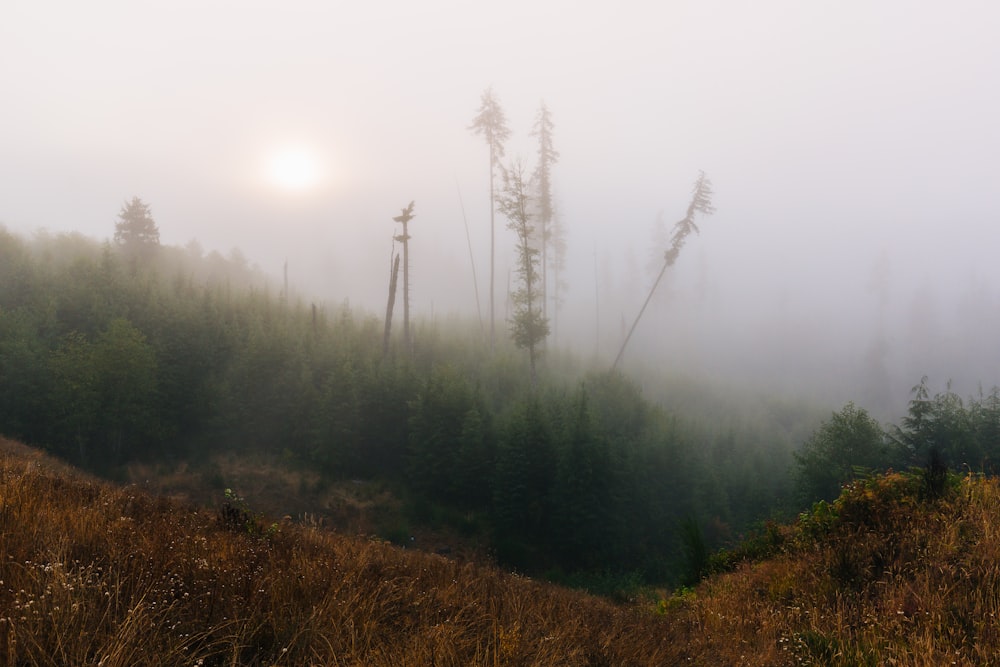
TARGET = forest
(109,356)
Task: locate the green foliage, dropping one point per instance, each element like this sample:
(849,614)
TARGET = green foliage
(525,471)
(850,440)
(584,529)
(235,515)
(191,356)
(961,434)
(758,545)
(448,448)
(528,324)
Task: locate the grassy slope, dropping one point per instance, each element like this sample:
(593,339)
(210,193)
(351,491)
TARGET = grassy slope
(883,576)
(93,573)
(96,573)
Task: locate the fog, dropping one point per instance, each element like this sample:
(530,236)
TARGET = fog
(853,148)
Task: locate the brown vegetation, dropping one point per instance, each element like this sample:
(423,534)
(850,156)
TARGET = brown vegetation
(889,574)
(96,574)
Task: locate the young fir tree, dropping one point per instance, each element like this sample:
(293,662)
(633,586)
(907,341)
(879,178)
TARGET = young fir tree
(528,324)
(136,231)
(491,123)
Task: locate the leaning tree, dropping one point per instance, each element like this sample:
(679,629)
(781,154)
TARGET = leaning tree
(701,202)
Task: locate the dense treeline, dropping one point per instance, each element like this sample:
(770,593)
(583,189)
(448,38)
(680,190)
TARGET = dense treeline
(105,360)
(940,431)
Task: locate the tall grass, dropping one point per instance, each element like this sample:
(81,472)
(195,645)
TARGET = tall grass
(884,576)
(96,574)
(92,574)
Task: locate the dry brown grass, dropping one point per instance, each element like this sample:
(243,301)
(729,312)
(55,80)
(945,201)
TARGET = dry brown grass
(96,574)
(893,580)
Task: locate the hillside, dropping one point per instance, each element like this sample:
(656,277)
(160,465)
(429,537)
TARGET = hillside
(899,570)
(189,366)
(97,574)
(893,572)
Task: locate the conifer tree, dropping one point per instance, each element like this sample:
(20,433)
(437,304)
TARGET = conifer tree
(491,123)
(529,327)
(136,231)
(547,156)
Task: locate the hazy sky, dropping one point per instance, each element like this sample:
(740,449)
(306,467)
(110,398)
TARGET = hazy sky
(838,135)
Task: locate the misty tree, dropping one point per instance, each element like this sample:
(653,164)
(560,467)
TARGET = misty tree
(547,156)
(850,443)
(529,327)
(135,230)
(557,262)
(491,123)
(404,218)
(701,202)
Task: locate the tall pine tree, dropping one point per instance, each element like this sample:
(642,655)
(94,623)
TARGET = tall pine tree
(491,123)
(528,324)
(547,156)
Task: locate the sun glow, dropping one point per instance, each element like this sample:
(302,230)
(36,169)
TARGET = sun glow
(294,168)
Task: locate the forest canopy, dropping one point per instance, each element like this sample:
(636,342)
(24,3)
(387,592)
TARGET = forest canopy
(104,362)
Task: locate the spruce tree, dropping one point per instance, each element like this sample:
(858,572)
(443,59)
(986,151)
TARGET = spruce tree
(491,123)
(528,324)
(136,231)
(547,156)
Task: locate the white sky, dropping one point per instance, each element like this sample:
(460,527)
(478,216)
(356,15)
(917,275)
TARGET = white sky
(835,133)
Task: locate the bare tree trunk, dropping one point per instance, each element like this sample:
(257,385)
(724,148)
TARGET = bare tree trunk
(493,330)
(472,261)
(393,277)
(621,352)
(406,288)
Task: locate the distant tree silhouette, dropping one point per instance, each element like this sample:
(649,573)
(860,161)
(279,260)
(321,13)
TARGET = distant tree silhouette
(403,218)
(850,443)
(136,231)
(701,202)
(528,325)
(491,123)
(547,156)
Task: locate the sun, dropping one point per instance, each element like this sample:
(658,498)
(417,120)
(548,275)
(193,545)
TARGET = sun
(294,168)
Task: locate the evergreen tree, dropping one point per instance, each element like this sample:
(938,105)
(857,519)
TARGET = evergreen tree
(547,156)
(939,426)
(583,503)
(435,433)
(525,472)
(850,440)
(126,368)
(136,231)
(491,123)
(529,326)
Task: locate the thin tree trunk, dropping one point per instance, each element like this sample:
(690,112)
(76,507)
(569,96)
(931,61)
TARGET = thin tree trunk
(472,260)
(393,276)
(406,288)
(493,331)
(621,352)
